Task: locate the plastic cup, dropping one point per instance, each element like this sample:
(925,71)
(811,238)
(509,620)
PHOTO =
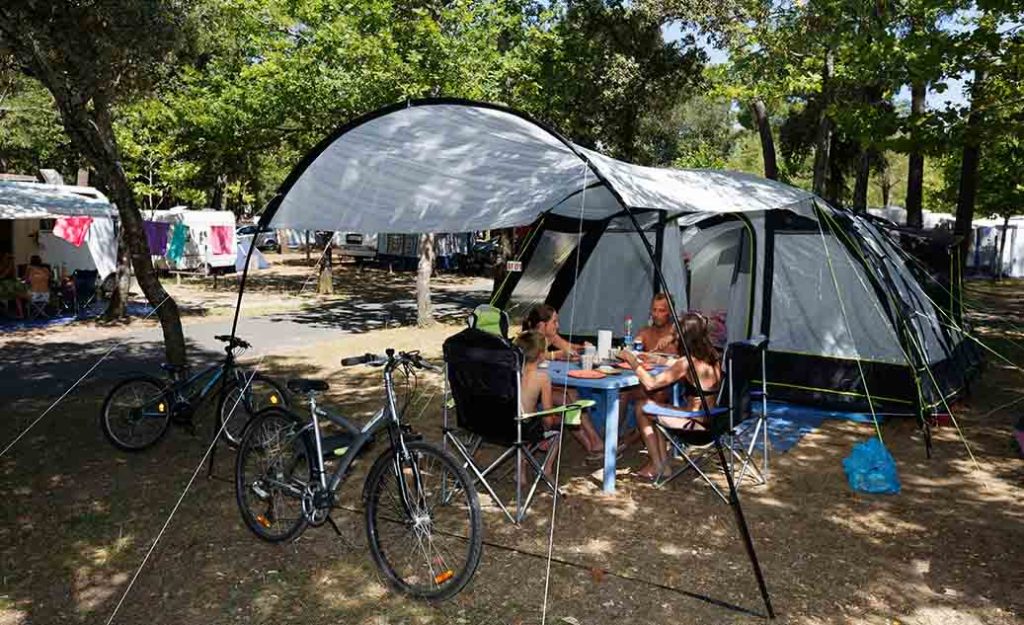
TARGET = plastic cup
(587,361)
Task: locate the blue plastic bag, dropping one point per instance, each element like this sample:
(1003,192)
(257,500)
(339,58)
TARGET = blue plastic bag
(870,468)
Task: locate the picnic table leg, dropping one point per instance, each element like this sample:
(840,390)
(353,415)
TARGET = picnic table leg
(611,437)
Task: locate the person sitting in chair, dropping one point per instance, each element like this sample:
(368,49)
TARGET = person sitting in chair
(12,289)
(537,395)
(544,319)
(658,337)
(706,372)
(38,278)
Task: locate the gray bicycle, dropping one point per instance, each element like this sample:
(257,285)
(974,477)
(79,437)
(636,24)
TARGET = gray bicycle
(422,512)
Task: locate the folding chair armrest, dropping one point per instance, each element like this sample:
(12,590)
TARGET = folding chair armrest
(571,412)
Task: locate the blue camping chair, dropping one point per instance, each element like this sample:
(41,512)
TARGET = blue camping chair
(694,440)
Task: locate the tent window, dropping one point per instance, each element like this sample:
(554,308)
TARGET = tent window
(553,249)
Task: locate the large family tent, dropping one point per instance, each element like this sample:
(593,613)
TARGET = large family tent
(607,235)
(848,322)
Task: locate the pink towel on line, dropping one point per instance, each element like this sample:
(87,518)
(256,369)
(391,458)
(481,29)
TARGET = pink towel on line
(221,239)
(72,229)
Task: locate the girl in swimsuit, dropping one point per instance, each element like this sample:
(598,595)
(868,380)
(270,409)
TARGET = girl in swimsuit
(707,372)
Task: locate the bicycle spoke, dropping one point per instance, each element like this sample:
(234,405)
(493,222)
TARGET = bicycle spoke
(426,542)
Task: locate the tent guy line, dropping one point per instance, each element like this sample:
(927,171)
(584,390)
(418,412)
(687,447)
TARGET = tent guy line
(561,421)
(849,330)
(75,385)
(192,479)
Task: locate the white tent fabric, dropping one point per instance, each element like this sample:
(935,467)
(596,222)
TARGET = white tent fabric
(448,167)
(30,200)
(618,281)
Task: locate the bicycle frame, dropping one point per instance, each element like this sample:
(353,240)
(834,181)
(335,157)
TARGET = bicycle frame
(386,417)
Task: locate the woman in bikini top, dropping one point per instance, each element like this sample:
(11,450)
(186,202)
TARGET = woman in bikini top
(707,373)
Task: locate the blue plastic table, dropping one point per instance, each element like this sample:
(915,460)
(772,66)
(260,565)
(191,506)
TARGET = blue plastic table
(606,392)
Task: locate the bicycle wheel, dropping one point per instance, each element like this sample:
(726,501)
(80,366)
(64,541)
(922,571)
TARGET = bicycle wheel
(136,413)
(235,408)
(272,469)
(431,547)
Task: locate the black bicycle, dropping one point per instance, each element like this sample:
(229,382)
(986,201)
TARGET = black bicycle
(422,512)
(138,410)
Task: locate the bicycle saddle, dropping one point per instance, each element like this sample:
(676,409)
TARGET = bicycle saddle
(169,368)
(305,385)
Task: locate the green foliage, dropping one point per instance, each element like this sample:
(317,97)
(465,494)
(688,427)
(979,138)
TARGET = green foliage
(31,136)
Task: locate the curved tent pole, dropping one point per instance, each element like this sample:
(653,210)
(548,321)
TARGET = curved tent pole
(734,499)
(248,257)
(310,157)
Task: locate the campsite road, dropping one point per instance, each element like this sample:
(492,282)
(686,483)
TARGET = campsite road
(40,369)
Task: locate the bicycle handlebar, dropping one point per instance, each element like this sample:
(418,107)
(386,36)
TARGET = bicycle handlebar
(232,341)
(412,358)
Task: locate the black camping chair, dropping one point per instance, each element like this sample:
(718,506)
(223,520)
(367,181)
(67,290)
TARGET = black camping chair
(694,440)
(85,288)
(482,376)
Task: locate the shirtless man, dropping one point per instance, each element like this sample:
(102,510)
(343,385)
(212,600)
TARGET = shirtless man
(38,278)
(659,337)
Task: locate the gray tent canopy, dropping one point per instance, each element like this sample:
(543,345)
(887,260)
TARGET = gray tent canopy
(844,315)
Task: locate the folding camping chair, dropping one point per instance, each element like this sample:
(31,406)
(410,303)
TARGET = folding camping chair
(37,305)
(482,385)
(693,443)
(85,288)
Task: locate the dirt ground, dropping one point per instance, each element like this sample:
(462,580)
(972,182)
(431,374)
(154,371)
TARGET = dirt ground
(80,517)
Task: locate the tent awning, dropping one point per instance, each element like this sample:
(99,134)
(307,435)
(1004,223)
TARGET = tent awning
(458,166)
(29,200)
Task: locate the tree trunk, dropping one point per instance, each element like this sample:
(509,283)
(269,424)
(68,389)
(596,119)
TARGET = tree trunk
(88,124)
(998,273)
(860,186)
(117,306)
(885,180)
(835,181)
(915,162)
(424,308)
(764,129)
(94,136)
(325,286)
(969,170)
(505,252)
(823,138)
(217,203)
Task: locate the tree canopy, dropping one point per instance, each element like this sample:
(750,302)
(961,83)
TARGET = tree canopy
(224,96)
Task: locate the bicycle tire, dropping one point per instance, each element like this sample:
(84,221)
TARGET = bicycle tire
(243,411)
(272,438)
(442,582)
(159,390)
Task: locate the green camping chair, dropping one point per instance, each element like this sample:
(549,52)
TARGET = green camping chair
(482,386)
(489,319)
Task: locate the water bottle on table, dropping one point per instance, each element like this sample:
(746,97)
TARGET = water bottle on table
(627,337)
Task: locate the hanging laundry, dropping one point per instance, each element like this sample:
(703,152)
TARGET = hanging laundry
(221,239)
(156,236)
(176,248)
(72,229)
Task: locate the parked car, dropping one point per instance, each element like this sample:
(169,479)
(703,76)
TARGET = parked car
(267,239)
